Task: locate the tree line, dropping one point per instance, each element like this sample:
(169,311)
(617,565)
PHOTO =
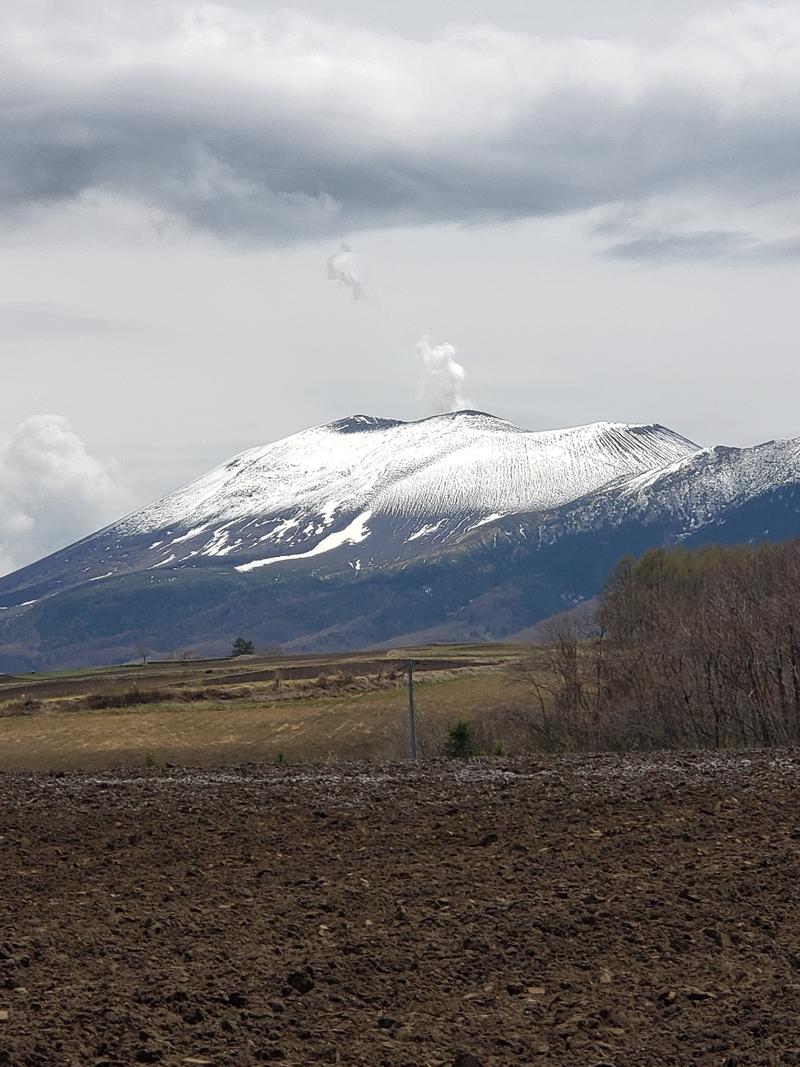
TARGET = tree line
(684,649)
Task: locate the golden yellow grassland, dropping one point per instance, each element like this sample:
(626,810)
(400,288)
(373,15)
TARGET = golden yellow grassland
(248,710)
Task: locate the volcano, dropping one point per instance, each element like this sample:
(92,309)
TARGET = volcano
(370,530)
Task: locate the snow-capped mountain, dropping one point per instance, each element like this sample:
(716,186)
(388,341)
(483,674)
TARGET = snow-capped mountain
(392,487)
(331,525)
(466,463)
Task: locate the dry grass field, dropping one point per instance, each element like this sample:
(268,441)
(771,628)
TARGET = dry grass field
(247,710)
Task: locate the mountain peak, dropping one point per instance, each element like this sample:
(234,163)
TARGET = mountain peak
(453,468)
(475,419)
(369,423)
(373,496)
(361,424)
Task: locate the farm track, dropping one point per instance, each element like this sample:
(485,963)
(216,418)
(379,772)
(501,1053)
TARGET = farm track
(578,911)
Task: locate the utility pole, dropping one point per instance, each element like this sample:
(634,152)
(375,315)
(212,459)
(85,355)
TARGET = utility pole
(412,716)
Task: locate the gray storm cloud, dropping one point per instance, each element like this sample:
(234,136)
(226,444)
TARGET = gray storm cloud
(276,127)
(345,266)
(52,491)
(442,379)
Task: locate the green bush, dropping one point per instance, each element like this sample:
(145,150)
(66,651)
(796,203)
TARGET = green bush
(461,742)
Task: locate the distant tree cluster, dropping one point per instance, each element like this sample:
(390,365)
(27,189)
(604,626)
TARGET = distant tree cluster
(242,647)
(705,645)
(697,649)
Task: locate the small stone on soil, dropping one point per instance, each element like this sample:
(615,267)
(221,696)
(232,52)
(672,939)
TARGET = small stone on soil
(302,981)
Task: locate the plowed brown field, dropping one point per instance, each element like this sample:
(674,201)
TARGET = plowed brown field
(574,911)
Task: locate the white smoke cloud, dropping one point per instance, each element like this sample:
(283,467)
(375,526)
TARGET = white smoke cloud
(345,266)
(443,376)
(52,492)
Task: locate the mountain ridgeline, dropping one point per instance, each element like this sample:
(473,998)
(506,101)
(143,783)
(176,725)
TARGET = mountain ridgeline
(370,532)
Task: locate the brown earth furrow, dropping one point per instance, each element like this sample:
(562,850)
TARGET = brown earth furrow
(572,911)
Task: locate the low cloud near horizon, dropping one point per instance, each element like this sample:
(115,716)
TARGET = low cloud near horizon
(275,127)
(52,491)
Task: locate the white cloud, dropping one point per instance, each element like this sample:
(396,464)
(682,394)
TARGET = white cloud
(271,127)
(51,491)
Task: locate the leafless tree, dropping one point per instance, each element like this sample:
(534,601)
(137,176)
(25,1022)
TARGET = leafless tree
(686,649)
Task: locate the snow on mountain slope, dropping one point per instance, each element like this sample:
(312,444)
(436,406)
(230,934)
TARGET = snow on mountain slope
(466,465)
(698,487)
(693,491)
(496,468)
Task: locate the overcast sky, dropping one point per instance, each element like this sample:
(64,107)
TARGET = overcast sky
(592,209)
